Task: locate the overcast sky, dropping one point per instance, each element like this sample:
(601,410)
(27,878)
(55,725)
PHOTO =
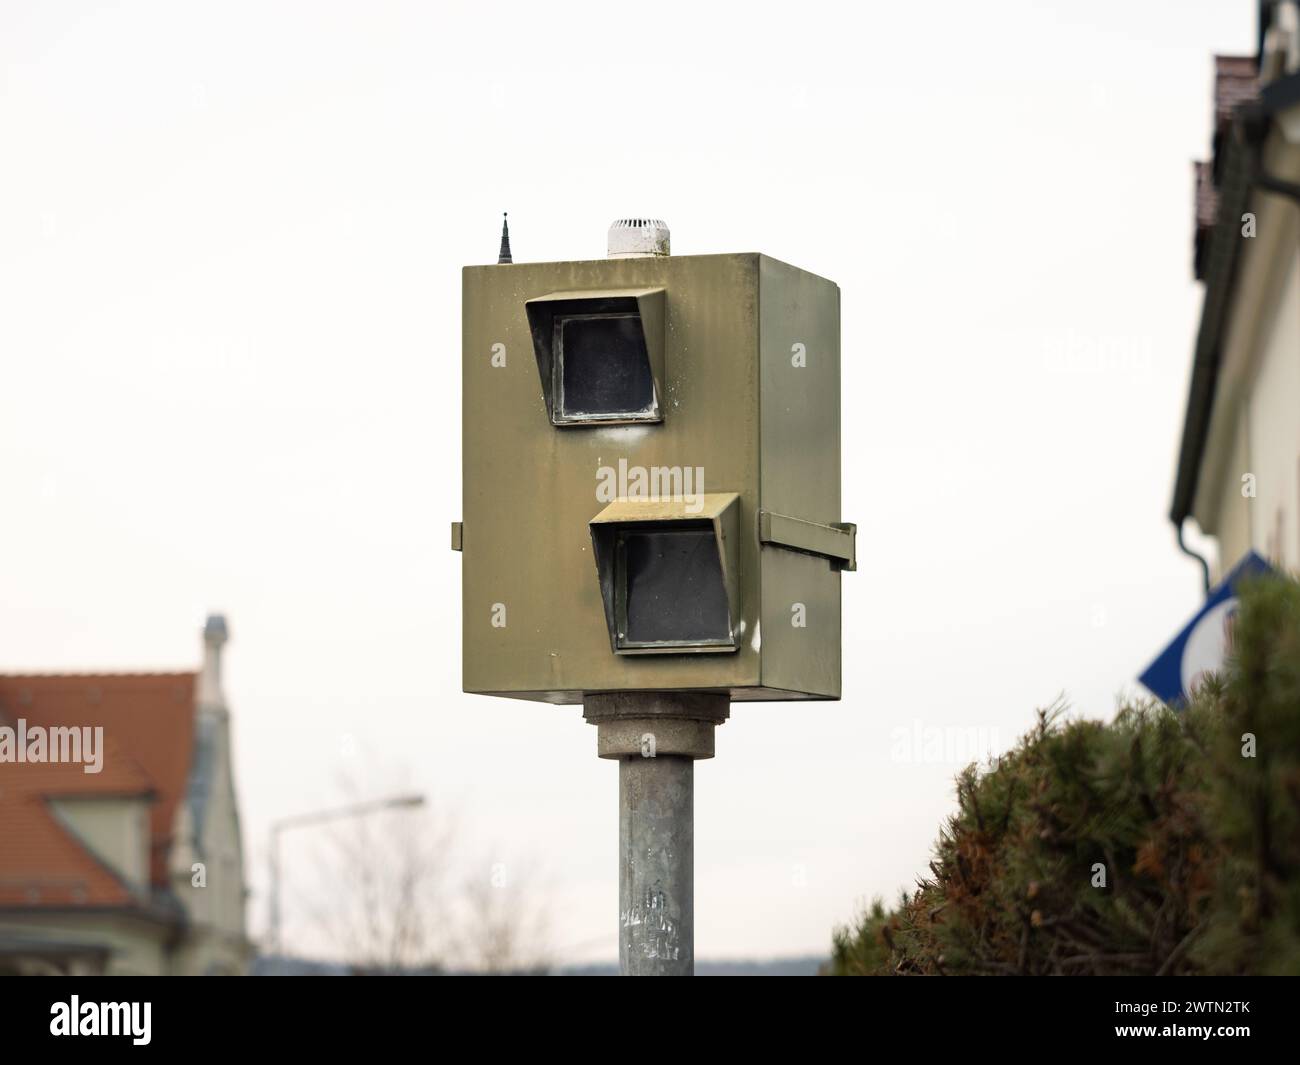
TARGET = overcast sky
(230,248)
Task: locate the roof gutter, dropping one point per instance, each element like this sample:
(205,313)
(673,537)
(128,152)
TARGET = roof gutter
(1241,176)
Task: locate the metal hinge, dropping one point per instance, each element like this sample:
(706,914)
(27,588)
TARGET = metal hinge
(457,535)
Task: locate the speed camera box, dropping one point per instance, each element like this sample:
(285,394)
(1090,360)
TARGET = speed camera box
(651,479)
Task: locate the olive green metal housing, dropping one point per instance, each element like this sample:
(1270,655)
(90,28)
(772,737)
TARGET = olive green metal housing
(742,438)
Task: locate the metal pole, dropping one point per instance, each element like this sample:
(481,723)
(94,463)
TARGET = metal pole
(656,866)
(656,737)
(275,890)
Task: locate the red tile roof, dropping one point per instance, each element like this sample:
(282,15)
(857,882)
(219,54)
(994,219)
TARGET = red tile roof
(148,722)
(1236,81)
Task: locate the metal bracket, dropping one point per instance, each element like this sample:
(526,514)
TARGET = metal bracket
(1277,185)
(836,542)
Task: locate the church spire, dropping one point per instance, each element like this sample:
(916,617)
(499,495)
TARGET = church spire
(504,255)
(215,635)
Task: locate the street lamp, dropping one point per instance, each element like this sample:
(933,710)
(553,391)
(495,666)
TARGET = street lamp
(363,809)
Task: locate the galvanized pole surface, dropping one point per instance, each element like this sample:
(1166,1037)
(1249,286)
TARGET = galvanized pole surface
(656,859)
(656,737)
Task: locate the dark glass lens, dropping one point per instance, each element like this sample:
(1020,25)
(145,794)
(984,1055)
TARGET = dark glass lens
(605,366)
(675,591)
